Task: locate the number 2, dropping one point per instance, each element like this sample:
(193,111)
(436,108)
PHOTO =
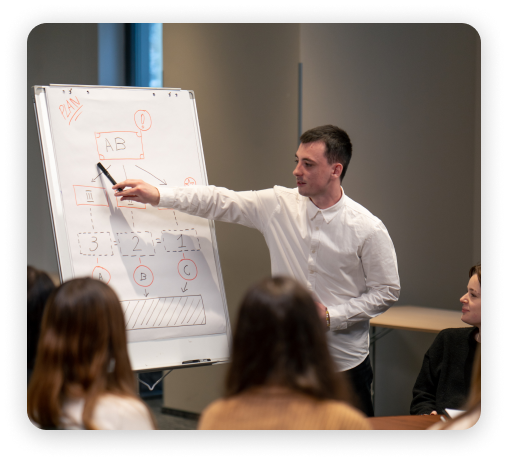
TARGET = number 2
(135,248)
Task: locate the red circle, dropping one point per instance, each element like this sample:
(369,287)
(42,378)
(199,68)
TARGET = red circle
(189,181)
(143,120)
(134,275)
(185,278)
(100,267)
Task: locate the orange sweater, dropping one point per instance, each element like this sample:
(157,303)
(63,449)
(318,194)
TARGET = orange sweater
(280,408)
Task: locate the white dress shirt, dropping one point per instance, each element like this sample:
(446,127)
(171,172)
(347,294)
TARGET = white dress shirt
(343,254)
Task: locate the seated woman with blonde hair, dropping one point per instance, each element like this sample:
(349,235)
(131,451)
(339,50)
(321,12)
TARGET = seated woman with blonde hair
(281,374)
(82,377)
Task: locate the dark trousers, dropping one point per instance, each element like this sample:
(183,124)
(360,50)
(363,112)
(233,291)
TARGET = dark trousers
(360,383)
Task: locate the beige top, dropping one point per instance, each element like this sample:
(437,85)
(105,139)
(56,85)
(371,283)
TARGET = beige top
(280,408)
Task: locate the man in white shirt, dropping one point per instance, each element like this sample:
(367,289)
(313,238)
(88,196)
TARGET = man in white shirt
(316,234)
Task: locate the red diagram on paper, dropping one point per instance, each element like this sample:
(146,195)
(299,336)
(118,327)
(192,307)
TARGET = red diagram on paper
(102,274)
(187,269)
(90,196)
(176,311)
(143,120)
(71,109)
(119,145)
(189,181)
(124,145)
(143,276)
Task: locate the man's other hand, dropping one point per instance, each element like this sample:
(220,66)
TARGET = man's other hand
(321,309)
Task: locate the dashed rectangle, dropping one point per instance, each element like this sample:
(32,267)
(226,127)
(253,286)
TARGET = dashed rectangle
(176,311)
(139,243)
(180,240)
(95,244)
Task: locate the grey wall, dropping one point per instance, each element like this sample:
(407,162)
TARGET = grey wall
(408,95)
(245,78)
(57,53)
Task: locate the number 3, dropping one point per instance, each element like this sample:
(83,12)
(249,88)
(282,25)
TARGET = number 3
(96,244)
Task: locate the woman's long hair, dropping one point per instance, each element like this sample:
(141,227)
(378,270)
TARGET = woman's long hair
(279,340)
(39,287)
(82,352)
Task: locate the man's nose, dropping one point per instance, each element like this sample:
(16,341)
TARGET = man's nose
(296,171)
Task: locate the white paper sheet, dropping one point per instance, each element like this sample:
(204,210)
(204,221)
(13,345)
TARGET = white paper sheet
(160,262)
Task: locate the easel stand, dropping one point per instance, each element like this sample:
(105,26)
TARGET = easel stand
(151,388)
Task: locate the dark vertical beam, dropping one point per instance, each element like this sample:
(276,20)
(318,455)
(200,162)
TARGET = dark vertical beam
(300,91)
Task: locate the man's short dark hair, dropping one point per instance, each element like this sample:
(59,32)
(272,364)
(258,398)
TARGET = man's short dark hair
(338,145)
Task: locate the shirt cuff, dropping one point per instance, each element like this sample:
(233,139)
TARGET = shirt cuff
(167,197)
(338,320)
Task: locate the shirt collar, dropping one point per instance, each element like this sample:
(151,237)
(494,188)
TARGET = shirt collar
(328,213)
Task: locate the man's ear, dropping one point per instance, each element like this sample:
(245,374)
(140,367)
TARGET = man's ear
(337,169)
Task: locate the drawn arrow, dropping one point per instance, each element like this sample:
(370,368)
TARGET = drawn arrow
(146,293)
(184,289)
(163,182)
(93,180)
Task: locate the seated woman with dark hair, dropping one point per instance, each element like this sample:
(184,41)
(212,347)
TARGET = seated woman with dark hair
(473,407)
(82,377)
(39,287)
(281,374)
(445,378)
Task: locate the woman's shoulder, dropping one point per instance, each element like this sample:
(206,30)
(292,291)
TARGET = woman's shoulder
(111,412)
(121,412)
(326,414)
(218,406)
(456,332)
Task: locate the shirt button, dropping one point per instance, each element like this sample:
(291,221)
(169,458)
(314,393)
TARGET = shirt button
(311,272)
(317,228)
(313,251)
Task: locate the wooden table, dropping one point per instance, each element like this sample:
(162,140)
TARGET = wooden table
(411,318)
(415,318)
(408,422)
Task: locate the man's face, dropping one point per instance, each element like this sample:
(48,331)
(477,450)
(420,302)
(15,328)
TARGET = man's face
(472,303)
(313,172)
